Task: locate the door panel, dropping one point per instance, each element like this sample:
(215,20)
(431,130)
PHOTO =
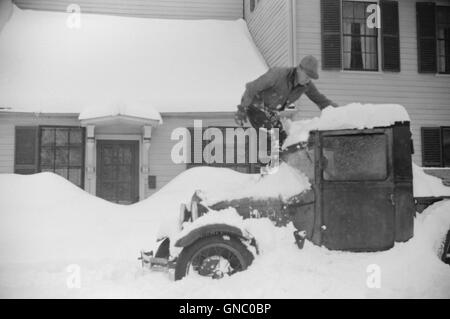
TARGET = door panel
(358,218)
(117,171)
(357,185)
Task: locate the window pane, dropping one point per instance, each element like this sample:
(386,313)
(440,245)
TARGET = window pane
(360,10)
(75,176)
(61,157)
(442,66)
(371,62)
(356,61)
(62,137)
(75,136)
(371,45)
(47,157)
(347,27)
(347,10)
(75,156)
(443,14)
(62,172)
(355,157)
(47,137)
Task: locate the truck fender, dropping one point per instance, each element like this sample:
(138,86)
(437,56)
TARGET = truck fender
(214,230)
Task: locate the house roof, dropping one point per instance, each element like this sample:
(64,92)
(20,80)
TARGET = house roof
(166,65)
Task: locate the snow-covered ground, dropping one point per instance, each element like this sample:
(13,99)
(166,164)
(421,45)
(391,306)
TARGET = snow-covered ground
(51,231)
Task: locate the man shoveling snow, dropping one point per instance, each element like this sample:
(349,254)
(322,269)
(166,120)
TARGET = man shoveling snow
(268,95)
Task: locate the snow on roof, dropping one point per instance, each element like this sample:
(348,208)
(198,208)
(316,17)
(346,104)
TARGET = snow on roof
(121,109)
(351,116)
(169,65)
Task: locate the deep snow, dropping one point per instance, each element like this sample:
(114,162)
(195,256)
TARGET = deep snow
(47,225)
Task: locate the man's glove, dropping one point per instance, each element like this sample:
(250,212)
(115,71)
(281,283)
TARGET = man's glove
(240,117)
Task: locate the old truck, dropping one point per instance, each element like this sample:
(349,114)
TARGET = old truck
(361,200)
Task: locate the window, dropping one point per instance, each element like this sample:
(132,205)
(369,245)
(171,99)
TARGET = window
(436,146)
(360,43)
(443,39)
(62,152)
(355,157)
(348,43)
(433,38)
(238,150)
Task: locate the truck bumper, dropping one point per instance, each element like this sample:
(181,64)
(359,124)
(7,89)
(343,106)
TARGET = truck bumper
(158,264)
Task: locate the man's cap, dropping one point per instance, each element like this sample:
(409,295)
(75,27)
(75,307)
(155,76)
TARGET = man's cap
(310,65)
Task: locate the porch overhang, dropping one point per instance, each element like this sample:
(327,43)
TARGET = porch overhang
(120,119)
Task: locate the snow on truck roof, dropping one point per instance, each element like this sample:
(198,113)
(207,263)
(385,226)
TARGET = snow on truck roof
(168,65)
(351,116)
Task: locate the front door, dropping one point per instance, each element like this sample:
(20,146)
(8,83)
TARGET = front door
(118,171)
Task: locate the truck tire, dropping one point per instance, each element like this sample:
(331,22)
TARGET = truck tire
(213,257)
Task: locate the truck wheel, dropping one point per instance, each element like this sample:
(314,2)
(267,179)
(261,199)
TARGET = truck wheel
(213,257)
(446,250)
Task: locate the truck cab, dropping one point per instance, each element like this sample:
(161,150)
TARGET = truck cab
(362,186)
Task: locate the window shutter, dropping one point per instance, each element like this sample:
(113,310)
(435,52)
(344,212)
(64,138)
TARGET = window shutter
(26,150)
(431,146)
(390,36)
(426,37)
(331,34)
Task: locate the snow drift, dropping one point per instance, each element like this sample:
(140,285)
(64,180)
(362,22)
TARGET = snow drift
(47,225)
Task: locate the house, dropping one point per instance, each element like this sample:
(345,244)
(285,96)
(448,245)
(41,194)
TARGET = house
(98,103)
(96,96)
(405,60)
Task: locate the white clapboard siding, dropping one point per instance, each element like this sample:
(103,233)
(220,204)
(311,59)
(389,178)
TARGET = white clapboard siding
(170,9)
(268,25)
(425,96)
(6,148)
